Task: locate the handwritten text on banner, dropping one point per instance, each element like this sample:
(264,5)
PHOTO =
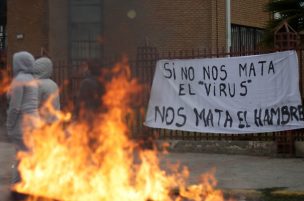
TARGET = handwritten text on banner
(247,94)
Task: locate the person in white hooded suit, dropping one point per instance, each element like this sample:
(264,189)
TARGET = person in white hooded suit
(22,112)
(48,93)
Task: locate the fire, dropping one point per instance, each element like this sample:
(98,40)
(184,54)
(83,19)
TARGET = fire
(75,161)
(4,81)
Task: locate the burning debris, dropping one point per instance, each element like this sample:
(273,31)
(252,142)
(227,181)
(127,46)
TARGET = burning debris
(73,161)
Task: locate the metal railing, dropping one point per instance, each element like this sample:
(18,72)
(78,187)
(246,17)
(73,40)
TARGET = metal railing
(143,68)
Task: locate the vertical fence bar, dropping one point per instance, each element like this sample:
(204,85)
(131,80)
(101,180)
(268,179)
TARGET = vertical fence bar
(143,68)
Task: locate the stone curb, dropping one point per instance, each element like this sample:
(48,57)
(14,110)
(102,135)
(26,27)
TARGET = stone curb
(242,194)
(287,192)
(256,194)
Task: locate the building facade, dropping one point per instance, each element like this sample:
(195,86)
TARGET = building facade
(2,25)
(79,29)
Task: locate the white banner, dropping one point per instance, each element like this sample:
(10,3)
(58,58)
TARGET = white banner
(248,94)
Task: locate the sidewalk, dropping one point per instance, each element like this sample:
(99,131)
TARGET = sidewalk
(234,173)
(244,172)
(6,159)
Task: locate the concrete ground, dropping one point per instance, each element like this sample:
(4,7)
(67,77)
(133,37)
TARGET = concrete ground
(234,173)
(6,160)
(244,172)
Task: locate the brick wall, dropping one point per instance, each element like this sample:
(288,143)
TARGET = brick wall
(218,24)
(58,30)
(178,25)
(29,18)
(170,25)
(173,25)
(249,13)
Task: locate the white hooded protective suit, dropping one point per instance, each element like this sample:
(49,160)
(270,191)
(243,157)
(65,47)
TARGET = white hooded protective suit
(23,97)
(48,89)
(22,113)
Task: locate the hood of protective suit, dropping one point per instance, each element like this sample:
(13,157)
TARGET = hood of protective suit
(43,68)
(22,62)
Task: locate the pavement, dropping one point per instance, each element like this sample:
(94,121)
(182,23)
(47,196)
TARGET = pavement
(6,160)
(238,175)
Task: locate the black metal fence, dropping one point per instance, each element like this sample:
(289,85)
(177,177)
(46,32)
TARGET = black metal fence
(143,68)
(2,37)
(245,38)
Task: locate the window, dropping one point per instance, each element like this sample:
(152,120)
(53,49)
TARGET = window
(2,37)
(86,28)
(2,24)
(245,38)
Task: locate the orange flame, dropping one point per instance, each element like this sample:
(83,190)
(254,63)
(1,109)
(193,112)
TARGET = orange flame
(4,81)
(79,162)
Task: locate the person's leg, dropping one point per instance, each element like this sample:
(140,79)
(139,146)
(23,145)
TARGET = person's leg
(19,146)
(16,177)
